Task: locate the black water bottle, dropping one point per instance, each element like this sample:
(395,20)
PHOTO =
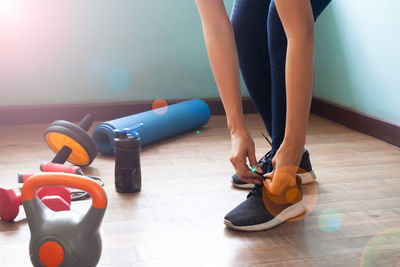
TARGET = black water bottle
(127,162)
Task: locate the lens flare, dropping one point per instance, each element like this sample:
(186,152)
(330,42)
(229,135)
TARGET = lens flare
(110,74)
(309,196)
(159,106)
(9,9)
(330,220)
(383,249)
(118,78)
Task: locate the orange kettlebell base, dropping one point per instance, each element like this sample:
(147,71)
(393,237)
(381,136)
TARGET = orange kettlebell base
(51,254)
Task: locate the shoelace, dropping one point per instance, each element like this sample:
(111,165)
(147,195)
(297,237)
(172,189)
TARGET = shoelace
(257,189)
(267,156)
(266,138)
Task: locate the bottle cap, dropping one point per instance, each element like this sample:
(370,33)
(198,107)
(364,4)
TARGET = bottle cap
(120,133)
(131,131)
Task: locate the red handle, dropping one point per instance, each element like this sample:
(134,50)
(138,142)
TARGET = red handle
(56,167)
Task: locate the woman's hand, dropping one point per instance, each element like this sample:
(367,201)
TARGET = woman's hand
(241,150)
(285,165)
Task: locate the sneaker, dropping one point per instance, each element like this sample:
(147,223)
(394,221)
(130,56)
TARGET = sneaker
(252,215)
(305,171)
(263,163)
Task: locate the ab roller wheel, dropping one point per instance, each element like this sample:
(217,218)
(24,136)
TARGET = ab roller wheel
(61,134)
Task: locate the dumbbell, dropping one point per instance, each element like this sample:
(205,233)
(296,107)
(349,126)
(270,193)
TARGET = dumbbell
(63,136)
(56,198)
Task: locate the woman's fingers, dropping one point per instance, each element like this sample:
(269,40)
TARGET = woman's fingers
(246,175)
(243,150)
(275,187)
(279,182)
(233,162)
(252,180)
(269,174)
(241,168)
(250,177)
(253,161)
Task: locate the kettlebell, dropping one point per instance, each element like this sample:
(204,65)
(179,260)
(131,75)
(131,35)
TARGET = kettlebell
(64,238)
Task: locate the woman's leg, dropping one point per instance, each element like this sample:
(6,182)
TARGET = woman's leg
(253,214)
(249,21)
(291,48)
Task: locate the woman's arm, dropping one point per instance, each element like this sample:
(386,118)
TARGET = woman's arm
(220,43)
(298,23)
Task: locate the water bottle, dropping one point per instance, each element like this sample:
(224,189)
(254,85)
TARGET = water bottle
(127,161)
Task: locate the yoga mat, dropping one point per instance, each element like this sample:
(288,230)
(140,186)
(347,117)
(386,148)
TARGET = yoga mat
(158,124)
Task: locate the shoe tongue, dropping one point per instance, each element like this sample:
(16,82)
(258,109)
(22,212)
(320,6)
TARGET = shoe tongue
(265,162)
(256,191)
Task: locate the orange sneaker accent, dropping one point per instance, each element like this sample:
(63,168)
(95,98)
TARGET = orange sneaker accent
(275,204)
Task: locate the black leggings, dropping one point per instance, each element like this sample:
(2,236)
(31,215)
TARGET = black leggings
(261,44)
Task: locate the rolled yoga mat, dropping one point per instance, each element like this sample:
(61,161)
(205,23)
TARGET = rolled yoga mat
(158,124)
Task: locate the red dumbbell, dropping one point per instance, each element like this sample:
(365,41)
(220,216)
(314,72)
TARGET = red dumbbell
(55,198)
(54,194)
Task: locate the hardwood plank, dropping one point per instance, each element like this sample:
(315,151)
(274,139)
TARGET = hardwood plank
(177,219)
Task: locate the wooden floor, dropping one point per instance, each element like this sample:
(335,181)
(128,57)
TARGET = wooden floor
(177,219)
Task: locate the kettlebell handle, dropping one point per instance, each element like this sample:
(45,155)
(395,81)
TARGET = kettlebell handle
(28,191)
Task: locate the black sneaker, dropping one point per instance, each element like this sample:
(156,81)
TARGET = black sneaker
(305,171)
(252,215)
(263,163)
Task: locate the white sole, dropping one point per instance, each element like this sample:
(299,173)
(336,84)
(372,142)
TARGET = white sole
(306,178)
(243,186)
(291,212)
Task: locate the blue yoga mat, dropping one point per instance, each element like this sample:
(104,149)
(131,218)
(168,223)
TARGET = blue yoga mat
(158,124)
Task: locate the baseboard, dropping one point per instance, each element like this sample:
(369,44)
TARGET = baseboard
(358,121)
(16,115)
(362,122)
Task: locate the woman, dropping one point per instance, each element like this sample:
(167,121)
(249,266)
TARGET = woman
(274,46)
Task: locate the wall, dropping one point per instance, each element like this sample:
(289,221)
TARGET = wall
(57,52)
(358,58)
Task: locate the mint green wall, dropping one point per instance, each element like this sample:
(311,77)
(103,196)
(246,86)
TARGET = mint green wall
(56,52)
(101,51)
(358,56)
